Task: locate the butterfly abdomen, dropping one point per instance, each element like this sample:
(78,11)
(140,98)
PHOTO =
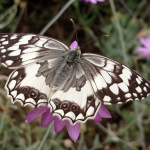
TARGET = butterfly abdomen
(64,70)
(61,75)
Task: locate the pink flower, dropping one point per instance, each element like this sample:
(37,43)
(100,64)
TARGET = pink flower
(94,1)
(73,130)
(145,49)
(74,45)
(47,116)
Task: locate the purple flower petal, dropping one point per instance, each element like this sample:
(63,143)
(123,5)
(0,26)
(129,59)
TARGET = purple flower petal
(103,112)
(74,45)
(143,51)
(97,118)
(101,0)
(145,54)
(144,42)
(94,1)
(148,36)
(148,40)
(47,118)
(35,113)
(73,130)
(58,124)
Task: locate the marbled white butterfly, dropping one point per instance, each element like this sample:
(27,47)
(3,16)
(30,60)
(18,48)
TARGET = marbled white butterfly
(72,84)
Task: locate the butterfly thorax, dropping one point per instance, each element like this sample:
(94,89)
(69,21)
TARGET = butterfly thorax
(71,58)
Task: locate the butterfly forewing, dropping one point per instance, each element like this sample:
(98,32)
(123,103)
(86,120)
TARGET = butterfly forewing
(22,49)
(113,82)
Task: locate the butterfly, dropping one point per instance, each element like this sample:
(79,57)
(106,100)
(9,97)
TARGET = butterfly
(73,85)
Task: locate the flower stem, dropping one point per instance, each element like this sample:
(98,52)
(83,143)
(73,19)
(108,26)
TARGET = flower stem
(139,124)
(56,17)
(119,31)
(45,137)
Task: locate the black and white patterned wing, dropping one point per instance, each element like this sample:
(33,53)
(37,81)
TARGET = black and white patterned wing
(31,85)
(75,99)
(113,82)
(22,49)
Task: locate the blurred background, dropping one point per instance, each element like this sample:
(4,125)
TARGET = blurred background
(125,21)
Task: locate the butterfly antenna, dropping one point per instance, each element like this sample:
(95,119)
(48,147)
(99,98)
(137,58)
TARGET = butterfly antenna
(93,40)
(74,29)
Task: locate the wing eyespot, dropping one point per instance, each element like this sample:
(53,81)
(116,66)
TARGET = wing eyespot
(64,105)
(42,96)
(33,93)
(25,89)
(56,101)
(73,107)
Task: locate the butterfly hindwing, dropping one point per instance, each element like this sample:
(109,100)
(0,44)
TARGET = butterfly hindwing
(23,86)
(32,84)
(22,49)
(75,99)
(113,82)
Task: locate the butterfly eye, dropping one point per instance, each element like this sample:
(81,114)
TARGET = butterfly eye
(64,105)
(33,93)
